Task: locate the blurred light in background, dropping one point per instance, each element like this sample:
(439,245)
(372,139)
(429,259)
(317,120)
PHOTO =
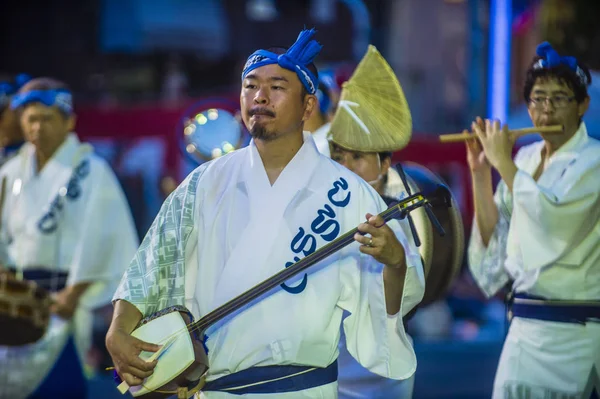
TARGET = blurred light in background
(261,10)
(142,26)
(499,61)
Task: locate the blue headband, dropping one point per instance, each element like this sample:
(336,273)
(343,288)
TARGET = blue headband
(324,101)
(60,98)
(551,59)
(326,86)
(296,59)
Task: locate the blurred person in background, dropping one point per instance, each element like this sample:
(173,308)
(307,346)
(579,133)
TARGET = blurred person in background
(66,225)
(540,232)
(319,121)
(175,82)
(11,135)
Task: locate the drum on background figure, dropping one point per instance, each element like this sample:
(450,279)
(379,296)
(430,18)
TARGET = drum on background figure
(24,311)
(442,255)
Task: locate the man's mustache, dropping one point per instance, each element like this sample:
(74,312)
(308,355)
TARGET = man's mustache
(261,111)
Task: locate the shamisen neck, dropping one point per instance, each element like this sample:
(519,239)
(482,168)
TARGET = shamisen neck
(404,206)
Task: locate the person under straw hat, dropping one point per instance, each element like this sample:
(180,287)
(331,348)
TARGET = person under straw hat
(371,121)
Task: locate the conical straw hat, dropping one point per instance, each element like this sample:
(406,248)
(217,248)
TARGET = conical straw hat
(372,114)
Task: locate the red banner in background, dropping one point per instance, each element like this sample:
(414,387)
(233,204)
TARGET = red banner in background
(131,124)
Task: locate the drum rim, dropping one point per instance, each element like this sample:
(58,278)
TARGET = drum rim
(428,240)
(457,224)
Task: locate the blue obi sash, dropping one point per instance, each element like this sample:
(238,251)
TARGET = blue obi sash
(50,280)
(269,379)
(274,379)
(536,307)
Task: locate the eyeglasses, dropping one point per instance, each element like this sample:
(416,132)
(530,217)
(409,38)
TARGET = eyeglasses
(556,101)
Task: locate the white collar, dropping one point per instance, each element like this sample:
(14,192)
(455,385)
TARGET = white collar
(294,177)
(62,157)
(574,144)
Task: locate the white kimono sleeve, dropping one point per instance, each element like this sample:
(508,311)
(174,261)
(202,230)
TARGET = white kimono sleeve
(156,277)
(106,242)
(486,263)
(4,178)
(569,211)
(374,338)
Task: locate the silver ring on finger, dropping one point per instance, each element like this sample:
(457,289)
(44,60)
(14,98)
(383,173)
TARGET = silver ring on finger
(370,244)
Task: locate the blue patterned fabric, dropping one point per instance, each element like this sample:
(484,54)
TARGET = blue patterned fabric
(296,59)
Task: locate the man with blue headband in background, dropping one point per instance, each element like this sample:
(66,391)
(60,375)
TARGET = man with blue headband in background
(241,218)
(66,226)
(11,135)
(320,120)
(540,232)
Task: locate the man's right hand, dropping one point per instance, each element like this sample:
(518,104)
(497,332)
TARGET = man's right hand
(476,158)
(124,351)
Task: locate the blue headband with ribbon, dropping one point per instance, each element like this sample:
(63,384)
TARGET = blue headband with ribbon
(551,59)
(60,98)
(296,59)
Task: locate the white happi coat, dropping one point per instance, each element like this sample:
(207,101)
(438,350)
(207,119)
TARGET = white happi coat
(548,241)
(92,238)
(225,229)
(321,140)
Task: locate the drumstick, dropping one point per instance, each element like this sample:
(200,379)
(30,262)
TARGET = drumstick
(124,386)
(457,137)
